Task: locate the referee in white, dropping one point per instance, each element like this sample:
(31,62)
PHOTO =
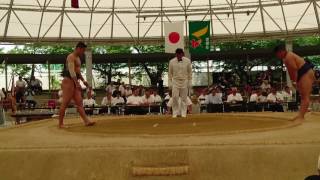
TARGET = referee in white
(180,82)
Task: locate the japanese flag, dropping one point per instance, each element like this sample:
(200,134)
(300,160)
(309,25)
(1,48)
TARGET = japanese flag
(174,36)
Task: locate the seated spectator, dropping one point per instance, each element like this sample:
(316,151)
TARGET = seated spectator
(147,99)
(116,91)
(287,94)
(189,104)
(196,106)
(30,102)
(234,97)
(122,89)
(168,96)
(157,99)
(265,85)
(118,100)
(128,91)
(135,99)
(20,89)
(253,96)
(203,97)
(141,90)
(35,84)
(214,98)
(275,99)
(262,97)
(89,101)
(107,100)
(110,87)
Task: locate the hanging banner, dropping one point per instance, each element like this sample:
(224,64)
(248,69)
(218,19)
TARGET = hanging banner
(75,3)
(199,36)
(174,36)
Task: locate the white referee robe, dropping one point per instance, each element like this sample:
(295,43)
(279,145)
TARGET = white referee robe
(180,81)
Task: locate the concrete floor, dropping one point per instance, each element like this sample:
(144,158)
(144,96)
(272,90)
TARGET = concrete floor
(40,150)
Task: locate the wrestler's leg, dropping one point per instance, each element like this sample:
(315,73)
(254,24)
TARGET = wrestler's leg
(305,89)
(77,97)
(68,89)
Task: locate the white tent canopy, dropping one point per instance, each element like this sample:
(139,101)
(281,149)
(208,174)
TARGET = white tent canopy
(141,21)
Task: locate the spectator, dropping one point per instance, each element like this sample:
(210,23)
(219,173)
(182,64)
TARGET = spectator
(157,99)
(168,96)
(265,85)
(118,100)
(122,89)
(234,97)
(134,99)
(287,94)
(214,98)
(203,97)
(116,91)
(196,106)
(141,90)
(262,97)
(253,96)
(35,84)
(160,86)
(128,91)
(107,100)
(118,83)
(89,101)
(20,89)
(110,87)
(147,99)
(30,102)
(275,99)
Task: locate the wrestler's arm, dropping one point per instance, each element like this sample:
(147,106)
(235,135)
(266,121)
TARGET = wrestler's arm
(71,69)
(84,81)
(291,67)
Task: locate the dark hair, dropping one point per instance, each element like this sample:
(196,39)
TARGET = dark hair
(81,45)
(179,51)
(278,48)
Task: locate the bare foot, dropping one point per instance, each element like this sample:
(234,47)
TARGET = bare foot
(62,126)
(298,119)
(90,123)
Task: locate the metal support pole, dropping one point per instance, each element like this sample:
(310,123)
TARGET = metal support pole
(49,76)
(8,19)
(316,13)
(208,73)
(88,55)
(6,72)
(262,18)
(289,47)
(112,19)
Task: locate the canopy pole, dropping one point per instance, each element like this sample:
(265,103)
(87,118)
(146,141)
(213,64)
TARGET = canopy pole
(88,55)
(289,47)
(49,75)
(129,65)
(6,72)
(208,72)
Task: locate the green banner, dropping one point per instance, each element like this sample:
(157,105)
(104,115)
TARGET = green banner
(199,36)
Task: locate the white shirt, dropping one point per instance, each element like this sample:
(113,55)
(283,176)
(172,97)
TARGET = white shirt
(275,97)
(105,101)
(128,92)
(146,100)
(117,100)
(167,97)
(21,84)
(232,98)
(287,96)
(189,102)
(89,102)
(254,97)
(110,88)
(134,100)
(157,98)
(261,99)
(180,73)
(203,99)
(216,99)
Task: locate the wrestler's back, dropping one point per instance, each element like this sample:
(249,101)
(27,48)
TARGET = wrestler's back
(298,61)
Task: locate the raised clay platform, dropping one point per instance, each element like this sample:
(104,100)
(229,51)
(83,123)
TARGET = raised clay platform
(216,146)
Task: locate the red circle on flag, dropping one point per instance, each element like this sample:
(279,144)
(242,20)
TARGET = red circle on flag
(174,37)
